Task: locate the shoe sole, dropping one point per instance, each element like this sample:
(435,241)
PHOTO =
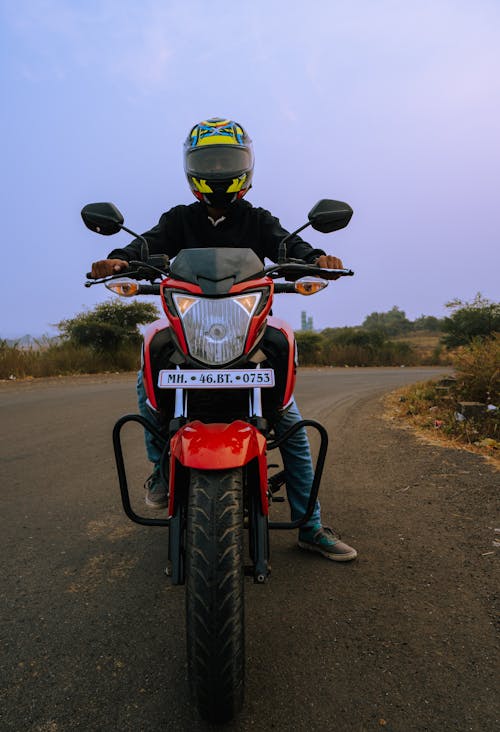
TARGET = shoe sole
(329,555)
(156,506)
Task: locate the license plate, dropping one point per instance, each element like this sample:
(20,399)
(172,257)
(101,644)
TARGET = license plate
(218,378)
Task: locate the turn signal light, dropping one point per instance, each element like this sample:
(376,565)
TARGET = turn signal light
(124,288)
(184,302)
(310,285)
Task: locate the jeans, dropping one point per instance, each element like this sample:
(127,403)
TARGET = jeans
(295,453)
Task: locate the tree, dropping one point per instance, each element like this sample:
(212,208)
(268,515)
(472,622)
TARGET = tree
(310,347)
(428,322)
(109,325)
(365,338)
(393,322)
(469,320)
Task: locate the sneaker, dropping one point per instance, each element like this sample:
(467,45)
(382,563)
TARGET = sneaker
(156,491)
(327,542)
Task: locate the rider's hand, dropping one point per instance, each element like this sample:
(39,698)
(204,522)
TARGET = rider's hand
(107,267)
(327,261)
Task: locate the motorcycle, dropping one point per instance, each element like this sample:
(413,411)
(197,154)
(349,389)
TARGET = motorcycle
(218,370)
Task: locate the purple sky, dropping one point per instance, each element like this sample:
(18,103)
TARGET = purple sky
(392,106)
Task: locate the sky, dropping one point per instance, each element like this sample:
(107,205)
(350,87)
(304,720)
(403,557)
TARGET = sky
(391,106)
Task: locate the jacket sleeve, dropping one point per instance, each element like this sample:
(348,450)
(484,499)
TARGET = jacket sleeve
(296,247)
(162,239)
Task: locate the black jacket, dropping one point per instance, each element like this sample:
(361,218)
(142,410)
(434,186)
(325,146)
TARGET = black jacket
(188,227)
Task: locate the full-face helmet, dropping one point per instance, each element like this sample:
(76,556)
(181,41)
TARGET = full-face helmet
(218,161)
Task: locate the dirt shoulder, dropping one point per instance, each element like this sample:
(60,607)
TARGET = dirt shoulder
(395,412)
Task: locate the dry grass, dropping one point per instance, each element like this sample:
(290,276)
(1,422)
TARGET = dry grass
(426,348)
(62,359)
(391,353)
(401,411)
(434,418)
(435,413)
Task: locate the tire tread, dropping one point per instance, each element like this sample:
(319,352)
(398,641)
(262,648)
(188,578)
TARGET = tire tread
(214,593)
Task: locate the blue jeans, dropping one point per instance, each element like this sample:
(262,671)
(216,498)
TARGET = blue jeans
(295,453)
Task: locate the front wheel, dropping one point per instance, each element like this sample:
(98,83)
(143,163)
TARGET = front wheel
(214,592)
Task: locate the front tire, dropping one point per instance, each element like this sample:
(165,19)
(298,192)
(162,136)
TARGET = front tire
(214,592)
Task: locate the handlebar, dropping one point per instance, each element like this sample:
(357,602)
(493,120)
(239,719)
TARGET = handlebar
(333,274)
(136,271)
(294,270)
(290,271)
(149,289)
(282,287)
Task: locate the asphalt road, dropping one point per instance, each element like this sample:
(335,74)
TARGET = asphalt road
(93,633)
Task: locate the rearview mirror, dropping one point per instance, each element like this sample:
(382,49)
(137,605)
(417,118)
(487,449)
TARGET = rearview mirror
(103,218)
(327,215)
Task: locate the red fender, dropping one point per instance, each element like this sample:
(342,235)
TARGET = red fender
(218,447)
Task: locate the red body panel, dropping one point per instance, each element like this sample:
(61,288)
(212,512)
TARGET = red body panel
(283,326)
(151,330)
(218,446)
(174,320)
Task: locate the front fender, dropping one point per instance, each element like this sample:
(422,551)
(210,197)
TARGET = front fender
(219,446)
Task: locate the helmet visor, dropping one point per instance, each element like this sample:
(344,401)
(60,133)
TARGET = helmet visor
(218,161)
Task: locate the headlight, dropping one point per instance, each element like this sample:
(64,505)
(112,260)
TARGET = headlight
(216,329)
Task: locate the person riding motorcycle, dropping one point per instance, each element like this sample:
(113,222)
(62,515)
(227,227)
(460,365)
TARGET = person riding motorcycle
(219,163)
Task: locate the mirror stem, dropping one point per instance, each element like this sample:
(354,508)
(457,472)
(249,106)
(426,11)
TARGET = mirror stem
(282,246)
(144,244)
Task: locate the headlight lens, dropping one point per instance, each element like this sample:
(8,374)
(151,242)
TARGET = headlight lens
(216,329)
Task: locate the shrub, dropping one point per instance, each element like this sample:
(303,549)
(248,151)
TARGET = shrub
(110,326)
(309,347)
(361,347)
(393,322)
(428,323)
(478,370)
(477,319)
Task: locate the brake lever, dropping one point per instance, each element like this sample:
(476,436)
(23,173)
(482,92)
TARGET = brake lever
(142,272)
(336,272)
(117,276)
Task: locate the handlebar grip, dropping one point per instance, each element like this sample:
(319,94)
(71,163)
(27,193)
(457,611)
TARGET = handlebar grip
(282,287)
(149,290)
(333,274)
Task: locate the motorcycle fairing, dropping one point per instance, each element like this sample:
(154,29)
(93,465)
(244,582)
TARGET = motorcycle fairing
(150,332)
(286,330)
(278,346)
(218,446)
